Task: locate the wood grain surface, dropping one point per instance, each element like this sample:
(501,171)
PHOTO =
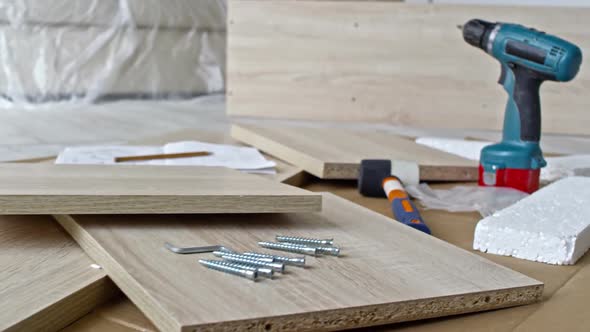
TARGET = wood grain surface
(46,280)
(390,272)
(566,287)
(63,287)
(385,62)
(99,189)
(334,153)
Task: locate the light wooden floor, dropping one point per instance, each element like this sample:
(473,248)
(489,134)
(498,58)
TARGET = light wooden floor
(37,133)
(26,134)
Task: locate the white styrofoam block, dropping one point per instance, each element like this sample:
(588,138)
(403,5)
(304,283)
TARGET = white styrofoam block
(550,226)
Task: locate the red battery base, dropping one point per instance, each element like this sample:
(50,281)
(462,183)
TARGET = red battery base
(526,180)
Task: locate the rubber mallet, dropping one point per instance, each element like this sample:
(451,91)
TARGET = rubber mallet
(375,180)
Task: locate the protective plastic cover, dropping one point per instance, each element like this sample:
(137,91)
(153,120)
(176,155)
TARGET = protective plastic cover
(89,50)
(485,200)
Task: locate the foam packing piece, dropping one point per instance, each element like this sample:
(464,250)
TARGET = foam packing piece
(550,226)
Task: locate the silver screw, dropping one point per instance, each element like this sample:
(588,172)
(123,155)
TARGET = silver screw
(262,271)
(278,267)
(295,261)
(329,250)
(221,266)
(262,259)
(299,249)
(305,241)
(266,272)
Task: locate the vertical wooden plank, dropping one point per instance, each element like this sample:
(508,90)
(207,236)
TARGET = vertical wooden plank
(388,63)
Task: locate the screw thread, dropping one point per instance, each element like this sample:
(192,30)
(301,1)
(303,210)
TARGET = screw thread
(289,247)
(262,271)
(222,267)
(225,253)
(305,240)
(278,267)
(295,261)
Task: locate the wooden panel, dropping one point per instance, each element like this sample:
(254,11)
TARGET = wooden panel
(391,273)
(46,280)
(86,189)
(65,287)
(388,63)
(565,287)
(332,153)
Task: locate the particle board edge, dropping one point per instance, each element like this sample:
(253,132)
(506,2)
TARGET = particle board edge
(449,173)
(343,171)
(389,313)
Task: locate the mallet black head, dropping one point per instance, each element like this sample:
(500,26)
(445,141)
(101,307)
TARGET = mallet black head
(371,175)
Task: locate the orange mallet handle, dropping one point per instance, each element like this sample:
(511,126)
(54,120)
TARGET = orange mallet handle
(403,209)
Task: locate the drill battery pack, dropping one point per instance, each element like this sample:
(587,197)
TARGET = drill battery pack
(526,180)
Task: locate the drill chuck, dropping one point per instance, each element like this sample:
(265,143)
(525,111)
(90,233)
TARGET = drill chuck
(477,32)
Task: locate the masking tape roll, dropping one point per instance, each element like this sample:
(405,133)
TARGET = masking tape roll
(407,171)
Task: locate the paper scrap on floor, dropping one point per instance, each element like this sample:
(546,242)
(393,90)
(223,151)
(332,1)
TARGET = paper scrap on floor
(245,159)
(552,225)
(557,167)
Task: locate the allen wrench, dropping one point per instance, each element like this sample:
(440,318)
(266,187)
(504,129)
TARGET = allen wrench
(196,250)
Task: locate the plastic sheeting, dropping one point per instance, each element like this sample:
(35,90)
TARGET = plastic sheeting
(485,200)
(84,51)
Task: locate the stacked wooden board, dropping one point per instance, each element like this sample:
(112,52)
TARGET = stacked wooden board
(387,62)
(339,219)
(95,189)
(389,272)
(47,281)
(334,153)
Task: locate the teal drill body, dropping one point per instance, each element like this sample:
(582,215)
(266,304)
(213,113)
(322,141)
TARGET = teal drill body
(528,57)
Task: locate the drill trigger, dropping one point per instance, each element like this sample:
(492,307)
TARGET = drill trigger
(502,78)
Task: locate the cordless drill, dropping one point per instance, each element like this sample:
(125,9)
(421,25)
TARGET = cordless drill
(528,57)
